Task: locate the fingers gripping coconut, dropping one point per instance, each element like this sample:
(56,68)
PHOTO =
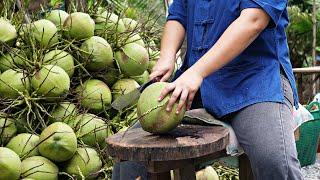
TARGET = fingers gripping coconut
(152,114)
(183,90)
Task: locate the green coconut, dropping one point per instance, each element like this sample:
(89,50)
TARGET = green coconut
(152,114)
(6,62)
(62,59)
(58,142)
(154,55)
(109,22)
(12,60)
(131,13)
(131,117)
(64,112)
(98,53)
(9,164)
(38,167)
(123,86)
(144,78)
(207,174)
(151,43)
(91,129)
(12,83)
(111,76)
(94,95)
(151,65)
(136,39)
(100,10)
(79,26)
(25,145)
(7,128)
(130,24)
(58,17)
(25,29)
(8,32)
(86,162)
(45,32)
(51,81)
(133,59)
(21,124)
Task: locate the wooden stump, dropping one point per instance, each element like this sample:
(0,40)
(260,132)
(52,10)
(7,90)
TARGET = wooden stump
(185,142)
(180,149)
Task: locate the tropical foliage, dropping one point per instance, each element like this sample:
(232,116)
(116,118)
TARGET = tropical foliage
(300,32)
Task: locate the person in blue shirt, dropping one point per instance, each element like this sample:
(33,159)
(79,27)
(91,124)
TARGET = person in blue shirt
(237,64)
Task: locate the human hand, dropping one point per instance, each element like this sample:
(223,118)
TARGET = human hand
(185,88)
(163,69)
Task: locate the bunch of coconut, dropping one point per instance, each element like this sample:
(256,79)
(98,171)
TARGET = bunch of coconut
(55,150)
(59,76)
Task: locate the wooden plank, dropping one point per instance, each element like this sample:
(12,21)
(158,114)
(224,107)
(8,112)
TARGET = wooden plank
(185,142)
(308,70)
(245,171)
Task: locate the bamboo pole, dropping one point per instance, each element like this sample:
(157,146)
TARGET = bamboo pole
(314,43)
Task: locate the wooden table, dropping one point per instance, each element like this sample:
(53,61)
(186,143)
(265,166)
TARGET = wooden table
(181,149)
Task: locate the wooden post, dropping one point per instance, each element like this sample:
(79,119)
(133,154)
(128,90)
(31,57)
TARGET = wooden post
(188,172)
(245,171)
(314,44)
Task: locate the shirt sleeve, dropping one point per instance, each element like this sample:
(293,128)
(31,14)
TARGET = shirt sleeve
(274,8)
(178,12)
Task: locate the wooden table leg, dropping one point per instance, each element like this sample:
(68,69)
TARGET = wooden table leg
(245,171)
(188,172)
(159,176)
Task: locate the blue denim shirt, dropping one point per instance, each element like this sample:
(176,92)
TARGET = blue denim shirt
(254,75)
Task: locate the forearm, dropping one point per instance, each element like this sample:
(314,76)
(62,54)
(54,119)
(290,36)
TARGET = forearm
(172,39)
(238,36)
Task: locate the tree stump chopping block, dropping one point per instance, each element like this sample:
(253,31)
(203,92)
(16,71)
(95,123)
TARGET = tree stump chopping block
(180,149)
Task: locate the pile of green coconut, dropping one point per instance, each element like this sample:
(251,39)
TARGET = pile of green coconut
(59,75)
